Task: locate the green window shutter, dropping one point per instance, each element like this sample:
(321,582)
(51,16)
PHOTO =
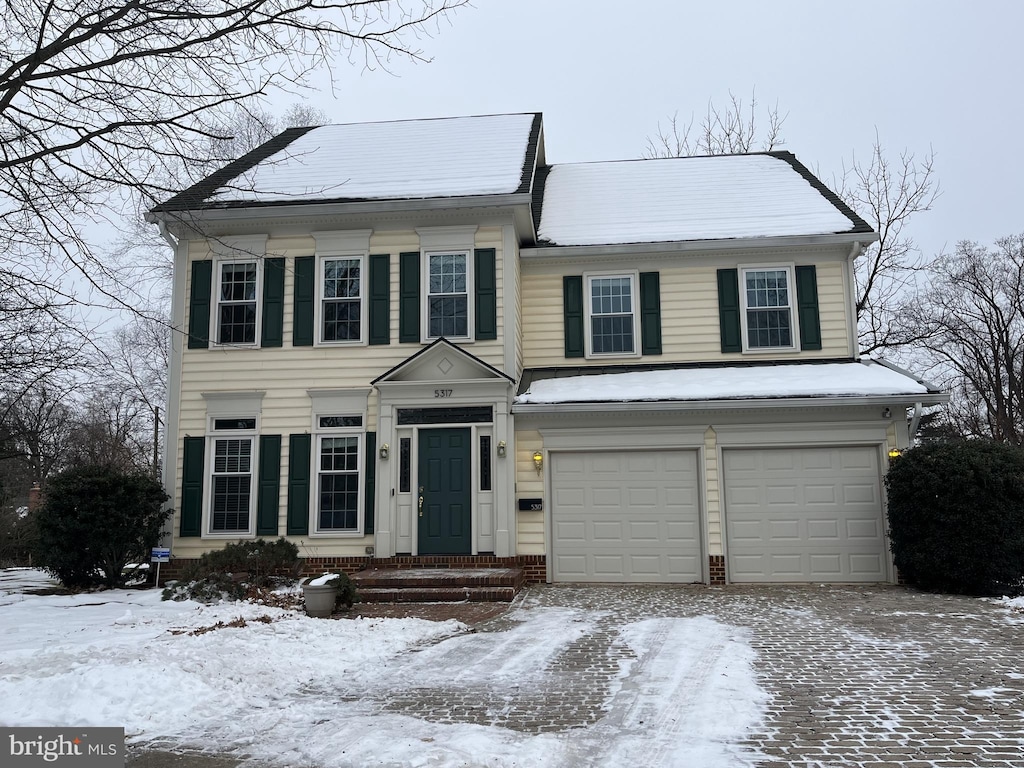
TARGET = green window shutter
(371,474)
(409,297)
(486,294)
(298,484)
(273,303)
(305,289)
(650,313)
(572,310)
(380,298)
(192,486)
(199,306)
(269,485)
(807,307)
(729,310)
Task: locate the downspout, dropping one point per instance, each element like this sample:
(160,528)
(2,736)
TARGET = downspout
(162,227)
(851,280)
(915,421)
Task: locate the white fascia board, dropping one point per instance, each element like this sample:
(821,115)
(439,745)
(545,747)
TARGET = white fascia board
(732,405)
(733,244)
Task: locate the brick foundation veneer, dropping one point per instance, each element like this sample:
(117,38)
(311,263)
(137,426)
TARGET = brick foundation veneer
(716,569)
(533,566)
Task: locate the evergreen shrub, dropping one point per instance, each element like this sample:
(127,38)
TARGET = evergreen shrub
(956,517)
(95,521)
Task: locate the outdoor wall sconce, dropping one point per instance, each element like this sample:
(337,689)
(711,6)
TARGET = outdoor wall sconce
(384,451)
(501,449)
(538,461)
(886,414)
(895,453)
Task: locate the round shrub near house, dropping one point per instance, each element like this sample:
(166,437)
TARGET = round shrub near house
(95,521)
(956,517)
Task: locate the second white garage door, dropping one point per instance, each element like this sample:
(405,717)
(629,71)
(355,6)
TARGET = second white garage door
(804,515)
(629,516)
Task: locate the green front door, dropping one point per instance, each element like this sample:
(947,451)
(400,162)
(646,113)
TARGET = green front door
(445,501)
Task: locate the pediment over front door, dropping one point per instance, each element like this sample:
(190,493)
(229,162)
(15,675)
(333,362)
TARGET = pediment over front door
(442,361)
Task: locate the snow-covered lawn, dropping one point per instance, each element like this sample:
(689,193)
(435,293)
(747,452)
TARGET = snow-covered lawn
(294,691)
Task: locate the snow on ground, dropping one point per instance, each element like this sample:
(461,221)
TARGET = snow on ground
(295,691)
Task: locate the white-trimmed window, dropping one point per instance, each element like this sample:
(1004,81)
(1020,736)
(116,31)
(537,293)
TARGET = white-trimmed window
(232,476)
(237,312)
(611,315)
(448,277)
(339,471)
(342,305)
(767,296)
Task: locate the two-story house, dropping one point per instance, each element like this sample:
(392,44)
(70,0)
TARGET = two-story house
(419,341)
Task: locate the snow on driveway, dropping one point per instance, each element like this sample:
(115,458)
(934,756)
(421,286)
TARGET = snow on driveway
(294,691)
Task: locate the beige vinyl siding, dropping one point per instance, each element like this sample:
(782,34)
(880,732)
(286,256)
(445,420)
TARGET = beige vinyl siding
(285,373)
(529,484)
(689,318)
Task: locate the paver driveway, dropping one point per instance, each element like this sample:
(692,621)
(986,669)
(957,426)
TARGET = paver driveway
(855,676)
(858,676)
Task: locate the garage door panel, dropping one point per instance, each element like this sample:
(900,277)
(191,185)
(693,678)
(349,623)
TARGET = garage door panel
(868,564)
(819,531)
(860,494)
(781,529)
(606,531)
(821,520)
(870,530)
(638,520)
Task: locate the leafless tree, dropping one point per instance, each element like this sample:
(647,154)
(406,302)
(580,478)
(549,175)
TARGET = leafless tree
(103,102)
(887,192)
(728,131)
(971,316)
(884,191)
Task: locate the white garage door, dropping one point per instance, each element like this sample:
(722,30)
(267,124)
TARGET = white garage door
(630,516)
(804,514)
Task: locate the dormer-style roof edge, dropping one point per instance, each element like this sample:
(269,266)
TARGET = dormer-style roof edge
(196,195)
(203,194)
(859,225)
(534,150)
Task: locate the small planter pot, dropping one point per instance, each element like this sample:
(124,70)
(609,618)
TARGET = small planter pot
(319,600)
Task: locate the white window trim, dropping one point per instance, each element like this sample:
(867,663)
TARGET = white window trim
(470,292)
(634,290)
(218,263)
(212,436)
(318,312)
(314,507)
(794,330)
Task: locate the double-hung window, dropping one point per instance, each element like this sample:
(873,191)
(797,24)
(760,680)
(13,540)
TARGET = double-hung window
(237,306)
(233,459)
(611,315)
(768,308)
(339,465)
(448,295)
(341,299)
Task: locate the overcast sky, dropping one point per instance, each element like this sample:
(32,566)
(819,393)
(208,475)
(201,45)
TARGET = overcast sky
(936,75)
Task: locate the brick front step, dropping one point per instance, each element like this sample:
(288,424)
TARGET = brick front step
(437,595)
(418,585)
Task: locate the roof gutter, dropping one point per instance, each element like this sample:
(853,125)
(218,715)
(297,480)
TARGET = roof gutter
(551,251)
(306,208)
(936,398)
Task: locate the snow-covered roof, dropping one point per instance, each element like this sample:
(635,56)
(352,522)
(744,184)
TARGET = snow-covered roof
(407,159)
(690,198)
(854,379)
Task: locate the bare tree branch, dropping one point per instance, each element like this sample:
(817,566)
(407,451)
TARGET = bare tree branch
(110,105)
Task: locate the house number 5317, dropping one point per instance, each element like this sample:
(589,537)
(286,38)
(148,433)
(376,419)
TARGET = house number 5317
(442,393)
